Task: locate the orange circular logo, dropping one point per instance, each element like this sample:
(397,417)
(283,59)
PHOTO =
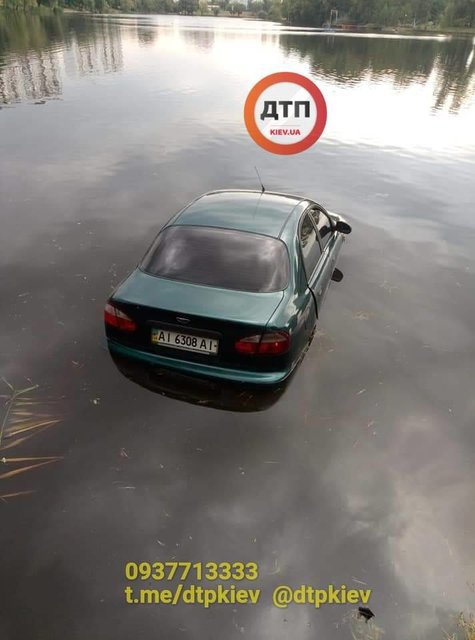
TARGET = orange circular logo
(285,113)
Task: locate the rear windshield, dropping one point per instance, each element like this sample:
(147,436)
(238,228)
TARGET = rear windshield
(219,258)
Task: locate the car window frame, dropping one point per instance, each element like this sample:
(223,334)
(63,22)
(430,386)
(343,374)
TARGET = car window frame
(171,223)
(317,235)
(317,207)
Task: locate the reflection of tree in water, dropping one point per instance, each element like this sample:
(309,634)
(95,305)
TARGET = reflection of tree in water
(403,60)
(35,50)
(201,39)
(146,36)
(30,77)
(101,52)
(347,58)
(455,74)
(205,38)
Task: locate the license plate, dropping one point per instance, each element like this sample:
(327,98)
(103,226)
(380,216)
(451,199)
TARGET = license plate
(185,341)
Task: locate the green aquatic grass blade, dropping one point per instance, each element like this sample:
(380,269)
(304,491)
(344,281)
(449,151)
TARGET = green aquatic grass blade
(27,403)
(15,472)
(18,441)
(38,417)
(20,392)
(29,459)
(14,430)
(7,383)
(5,496)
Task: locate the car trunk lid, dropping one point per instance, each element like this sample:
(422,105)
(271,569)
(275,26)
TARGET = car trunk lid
(215,314)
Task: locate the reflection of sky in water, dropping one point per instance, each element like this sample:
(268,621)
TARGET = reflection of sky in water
(422,101)
(386,108)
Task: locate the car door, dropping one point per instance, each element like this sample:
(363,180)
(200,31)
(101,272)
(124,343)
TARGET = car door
(311,253)
(330,244)
(318,255)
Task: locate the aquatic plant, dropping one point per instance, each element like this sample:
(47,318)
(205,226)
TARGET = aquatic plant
(24,418)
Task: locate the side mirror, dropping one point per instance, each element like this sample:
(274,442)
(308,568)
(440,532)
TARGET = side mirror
(342,227)
(337,275)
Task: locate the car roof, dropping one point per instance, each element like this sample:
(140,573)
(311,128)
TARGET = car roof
(254,211)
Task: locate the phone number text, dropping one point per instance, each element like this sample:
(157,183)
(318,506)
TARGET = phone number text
(193,570)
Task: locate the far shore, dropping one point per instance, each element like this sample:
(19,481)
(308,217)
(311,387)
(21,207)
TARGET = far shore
(428,30)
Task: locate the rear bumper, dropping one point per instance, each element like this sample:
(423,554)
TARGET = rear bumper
(209,371)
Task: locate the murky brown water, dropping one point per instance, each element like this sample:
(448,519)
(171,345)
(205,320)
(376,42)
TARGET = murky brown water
(363,469)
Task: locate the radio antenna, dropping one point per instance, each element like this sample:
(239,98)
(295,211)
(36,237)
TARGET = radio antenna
(259,176)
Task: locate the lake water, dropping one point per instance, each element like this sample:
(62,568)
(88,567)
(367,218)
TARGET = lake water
(363,470)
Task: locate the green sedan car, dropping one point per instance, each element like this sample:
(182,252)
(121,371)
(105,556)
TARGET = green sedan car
(231,288)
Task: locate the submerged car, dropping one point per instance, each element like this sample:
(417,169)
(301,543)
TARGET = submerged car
(231,287)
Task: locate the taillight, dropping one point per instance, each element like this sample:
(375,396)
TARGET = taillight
(247,345)
(273,344)
(118,319)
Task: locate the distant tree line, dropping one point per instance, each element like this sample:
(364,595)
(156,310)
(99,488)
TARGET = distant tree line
(314,13)
(384,13)
(103,6)
(185,7)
